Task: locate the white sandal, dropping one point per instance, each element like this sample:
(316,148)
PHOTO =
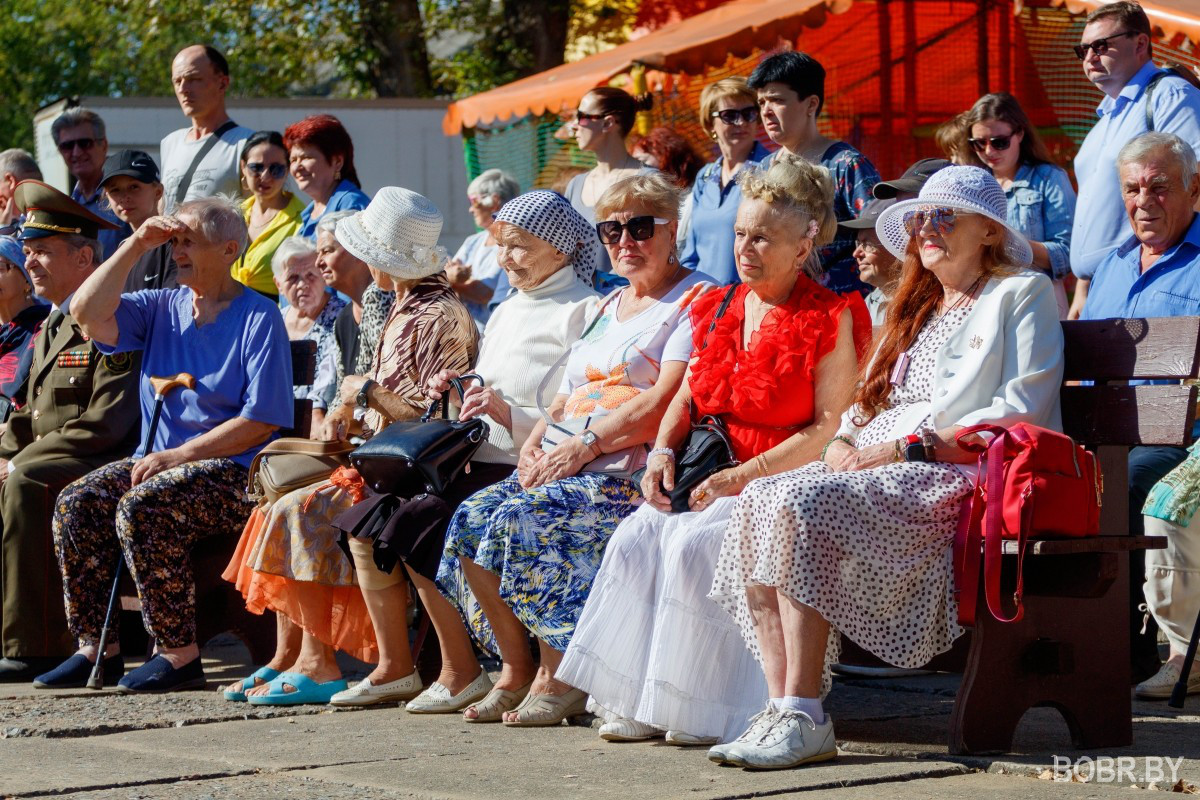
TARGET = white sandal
(543,710)
(438,700)
(492,707)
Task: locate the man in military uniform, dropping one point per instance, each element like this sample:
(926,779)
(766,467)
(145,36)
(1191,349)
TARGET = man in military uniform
(82,413)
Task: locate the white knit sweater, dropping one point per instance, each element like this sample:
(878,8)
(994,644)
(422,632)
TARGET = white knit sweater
(525,336)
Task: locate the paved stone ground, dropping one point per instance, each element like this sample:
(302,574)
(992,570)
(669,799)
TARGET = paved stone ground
(196,746)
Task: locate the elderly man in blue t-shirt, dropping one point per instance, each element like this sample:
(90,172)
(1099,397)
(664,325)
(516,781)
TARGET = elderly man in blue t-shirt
(189,482)
(1153,273)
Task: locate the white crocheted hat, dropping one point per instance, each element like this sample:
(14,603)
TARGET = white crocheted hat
(966,188)
(396,233)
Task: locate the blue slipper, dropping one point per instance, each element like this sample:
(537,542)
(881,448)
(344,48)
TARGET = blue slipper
(157,675)
(307,691)
(75,671)
(266,674)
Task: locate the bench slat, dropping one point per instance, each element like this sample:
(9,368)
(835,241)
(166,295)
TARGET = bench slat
(304,362)
(1131,349)
(1129,415)
(1094,544)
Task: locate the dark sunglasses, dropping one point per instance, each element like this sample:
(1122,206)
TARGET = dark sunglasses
(640,229)
(997,143)
(71,144)
(1099,46)
(940,219)
(738,116)
(275,170)
(581,118)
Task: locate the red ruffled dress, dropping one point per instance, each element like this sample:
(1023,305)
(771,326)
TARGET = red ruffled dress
(763,393)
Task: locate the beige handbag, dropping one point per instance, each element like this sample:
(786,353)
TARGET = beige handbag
(285,465)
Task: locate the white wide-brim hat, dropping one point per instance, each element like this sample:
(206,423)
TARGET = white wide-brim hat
(396,233)
(970,189)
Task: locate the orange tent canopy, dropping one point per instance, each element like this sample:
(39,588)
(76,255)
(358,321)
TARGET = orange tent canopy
(736,28)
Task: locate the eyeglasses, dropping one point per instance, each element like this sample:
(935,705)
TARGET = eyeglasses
(940,219)
(1099,46)
(640,229)
(868,246)
(71,144)
(997,143)
(738,116)
(276,170)
(481,200)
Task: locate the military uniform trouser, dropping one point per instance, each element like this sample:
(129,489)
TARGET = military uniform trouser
(32,622)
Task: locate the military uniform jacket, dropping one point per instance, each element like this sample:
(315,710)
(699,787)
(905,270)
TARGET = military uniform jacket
(80,403)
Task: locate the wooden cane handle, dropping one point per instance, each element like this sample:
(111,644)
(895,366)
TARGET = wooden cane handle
(163,385)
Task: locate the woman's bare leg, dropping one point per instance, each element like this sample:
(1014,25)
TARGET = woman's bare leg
(511,636)
(459,664)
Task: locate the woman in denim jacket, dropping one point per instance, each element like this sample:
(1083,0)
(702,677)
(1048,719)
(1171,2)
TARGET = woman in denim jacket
(1041,200)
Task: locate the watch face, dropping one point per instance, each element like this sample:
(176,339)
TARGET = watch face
(589,438)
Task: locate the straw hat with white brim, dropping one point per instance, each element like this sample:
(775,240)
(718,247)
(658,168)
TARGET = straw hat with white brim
(967,189)
(396,233)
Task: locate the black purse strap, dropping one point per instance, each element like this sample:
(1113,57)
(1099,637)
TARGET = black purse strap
(185,182)
(721,309)
(457,384)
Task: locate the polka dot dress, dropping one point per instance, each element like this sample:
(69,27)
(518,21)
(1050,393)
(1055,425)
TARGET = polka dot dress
(869,550)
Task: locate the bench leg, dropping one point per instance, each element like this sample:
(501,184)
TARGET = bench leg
(1069,653)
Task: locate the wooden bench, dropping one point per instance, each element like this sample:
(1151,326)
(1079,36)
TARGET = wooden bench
(219,606)
(1071,651)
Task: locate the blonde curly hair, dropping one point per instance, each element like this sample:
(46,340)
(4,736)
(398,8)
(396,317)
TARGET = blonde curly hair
(796,186)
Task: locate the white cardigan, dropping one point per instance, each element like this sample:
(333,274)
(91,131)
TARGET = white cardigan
(524,337)
(1002,366)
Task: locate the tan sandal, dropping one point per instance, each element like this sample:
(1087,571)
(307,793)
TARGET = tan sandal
(543,710)
(492,707)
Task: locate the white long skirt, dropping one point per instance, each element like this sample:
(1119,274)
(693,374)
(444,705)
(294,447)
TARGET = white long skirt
(650,645)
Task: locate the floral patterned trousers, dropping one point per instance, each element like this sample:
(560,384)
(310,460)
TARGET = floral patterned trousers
(155,523)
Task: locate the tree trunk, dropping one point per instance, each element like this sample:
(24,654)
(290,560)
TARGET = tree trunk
(394,34)
(542,26)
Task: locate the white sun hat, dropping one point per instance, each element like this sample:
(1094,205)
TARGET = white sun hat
(970,189)
(396,233)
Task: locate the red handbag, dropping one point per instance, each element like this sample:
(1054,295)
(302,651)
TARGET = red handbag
(1030,479)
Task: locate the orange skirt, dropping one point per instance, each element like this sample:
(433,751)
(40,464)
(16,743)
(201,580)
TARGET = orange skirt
(288,560)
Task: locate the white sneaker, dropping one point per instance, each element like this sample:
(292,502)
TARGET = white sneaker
(793,740)
(438,700)
(628,730)
(730,752)
(681,739)
(1160,684)
(365,693)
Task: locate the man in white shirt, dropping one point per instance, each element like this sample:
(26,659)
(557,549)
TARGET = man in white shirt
(209,150)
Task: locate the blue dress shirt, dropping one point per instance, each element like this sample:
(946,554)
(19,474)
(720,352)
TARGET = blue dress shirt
(109,239)
(1100,221)
(709,243)
(1170,288)
(346,197)
(1041,205)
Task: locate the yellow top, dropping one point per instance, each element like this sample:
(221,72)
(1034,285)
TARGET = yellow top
(254,267)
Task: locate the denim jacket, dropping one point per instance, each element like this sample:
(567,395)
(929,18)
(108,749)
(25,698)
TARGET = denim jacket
(1041,205)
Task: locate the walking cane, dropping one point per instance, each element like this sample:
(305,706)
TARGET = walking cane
(1179,693)
(161,387)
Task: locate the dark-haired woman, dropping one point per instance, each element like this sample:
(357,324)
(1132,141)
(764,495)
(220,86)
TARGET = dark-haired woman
(321,155)
(272,214)
(1041,201)
(860,541)
(604,118)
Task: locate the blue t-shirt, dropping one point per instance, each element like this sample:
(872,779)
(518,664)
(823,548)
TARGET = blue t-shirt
(346,197)
(241,361)
(1169,288)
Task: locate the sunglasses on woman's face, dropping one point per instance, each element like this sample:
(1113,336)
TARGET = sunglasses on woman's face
(276,170)
(738,116)
(940,219)
(640,229)
(997,143)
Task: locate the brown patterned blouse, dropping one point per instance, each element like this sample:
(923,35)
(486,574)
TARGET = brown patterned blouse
(429,330)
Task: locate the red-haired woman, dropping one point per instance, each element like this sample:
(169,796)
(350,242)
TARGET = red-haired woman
(667,151)
(321,155)
(860,541)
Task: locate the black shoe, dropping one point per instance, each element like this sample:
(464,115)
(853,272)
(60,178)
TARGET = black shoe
(75,671)
(24,669)
(157,675)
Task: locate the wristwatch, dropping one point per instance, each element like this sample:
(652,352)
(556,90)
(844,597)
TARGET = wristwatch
(592,441)
(364,400)
(914,448)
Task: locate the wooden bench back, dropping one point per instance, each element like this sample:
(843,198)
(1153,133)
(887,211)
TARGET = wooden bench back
(304,372)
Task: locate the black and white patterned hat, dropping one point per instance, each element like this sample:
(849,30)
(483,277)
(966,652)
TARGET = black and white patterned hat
(551,217)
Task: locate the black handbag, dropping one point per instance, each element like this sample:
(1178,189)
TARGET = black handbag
(707,449)
(421,456)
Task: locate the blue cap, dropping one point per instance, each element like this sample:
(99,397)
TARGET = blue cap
(11,250)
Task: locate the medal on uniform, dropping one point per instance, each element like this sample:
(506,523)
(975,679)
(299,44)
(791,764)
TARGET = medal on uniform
(900,370)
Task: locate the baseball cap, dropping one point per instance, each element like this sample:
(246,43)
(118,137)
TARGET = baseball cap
(870,213)
(912,180)
(134,163)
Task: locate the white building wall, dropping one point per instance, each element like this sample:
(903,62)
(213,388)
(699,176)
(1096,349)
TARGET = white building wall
(396,142)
